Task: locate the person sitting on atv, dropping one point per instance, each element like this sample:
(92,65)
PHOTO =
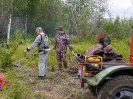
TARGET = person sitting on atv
(106,50)
(106,47)
(103,48)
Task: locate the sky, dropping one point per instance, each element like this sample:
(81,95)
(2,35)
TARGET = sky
(121,8)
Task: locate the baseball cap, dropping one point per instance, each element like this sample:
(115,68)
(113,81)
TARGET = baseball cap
(100,35)
(38,28)
(60,28)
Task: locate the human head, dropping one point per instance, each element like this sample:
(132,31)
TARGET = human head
(39,30)
(100,36)
(60,29)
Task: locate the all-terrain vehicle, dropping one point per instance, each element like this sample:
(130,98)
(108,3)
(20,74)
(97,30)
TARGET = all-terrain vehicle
(107,78)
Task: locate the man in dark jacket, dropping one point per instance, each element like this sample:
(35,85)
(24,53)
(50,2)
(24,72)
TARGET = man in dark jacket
(102,47)
(106,50)
(103,40)
(61,41)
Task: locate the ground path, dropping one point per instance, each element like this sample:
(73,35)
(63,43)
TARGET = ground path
(57,84)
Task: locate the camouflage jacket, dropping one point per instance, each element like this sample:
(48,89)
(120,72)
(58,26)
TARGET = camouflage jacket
(103,47)
(61,41)
(105,41)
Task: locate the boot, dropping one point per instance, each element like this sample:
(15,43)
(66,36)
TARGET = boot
(40,77)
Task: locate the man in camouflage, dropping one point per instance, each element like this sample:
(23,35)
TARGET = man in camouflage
(41,42)
(106,50)
(103,47)
(61,41)
(103,40)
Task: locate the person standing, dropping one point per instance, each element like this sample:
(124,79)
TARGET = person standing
(41,42)
(61,41)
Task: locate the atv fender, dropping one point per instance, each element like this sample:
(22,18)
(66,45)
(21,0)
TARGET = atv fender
(104,74)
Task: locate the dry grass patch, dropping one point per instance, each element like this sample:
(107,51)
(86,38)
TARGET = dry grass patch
(57,84)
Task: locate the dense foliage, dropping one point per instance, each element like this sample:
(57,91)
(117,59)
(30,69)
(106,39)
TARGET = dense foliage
(79,17)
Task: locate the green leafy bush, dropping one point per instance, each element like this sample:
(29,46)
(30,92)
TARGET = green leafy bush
(5,59)
(16,90)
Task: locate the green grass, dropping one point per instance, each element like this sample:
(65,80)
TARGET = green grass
(22,78)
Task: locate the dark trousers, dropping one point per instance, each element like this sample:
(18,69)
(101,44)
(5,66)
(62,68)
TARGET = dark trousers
(61,58)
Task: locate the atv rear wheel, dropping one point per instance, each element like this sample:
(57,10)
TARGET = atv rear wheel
(120,87)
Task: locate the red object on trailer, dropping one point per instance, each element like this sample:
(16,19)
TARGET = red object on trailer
(131,52)
(3,81)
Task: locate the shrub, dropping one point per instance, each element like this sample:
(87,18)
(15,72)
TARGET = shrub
(5,59)
(16,90)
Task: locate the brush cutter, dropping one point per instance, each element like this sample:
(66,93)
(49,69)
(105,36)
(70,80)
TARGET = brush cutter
(16,63)
(33,54)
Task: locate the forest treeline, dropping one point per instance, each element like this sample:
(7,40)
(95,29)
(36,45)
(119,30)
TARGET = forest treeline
(82,18)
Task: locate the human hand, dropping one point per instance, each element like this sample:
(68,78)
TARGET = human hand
(25,51)
(54,51)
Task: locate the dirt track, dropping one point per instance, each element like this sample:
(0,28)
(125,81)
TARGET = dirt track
(57,84)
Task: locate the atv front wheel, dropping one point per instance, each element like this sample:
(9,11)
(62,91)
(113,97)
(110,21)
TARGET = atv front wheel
(120,87)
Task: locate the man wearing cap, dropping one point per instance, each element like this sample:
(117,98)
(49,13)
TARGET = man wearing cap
(106,47)
(41,42)
(103,39)
(61,41)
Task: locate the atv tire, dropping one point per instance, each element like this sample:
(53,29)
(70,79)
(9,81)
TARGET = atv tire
(119,87)
(92,89)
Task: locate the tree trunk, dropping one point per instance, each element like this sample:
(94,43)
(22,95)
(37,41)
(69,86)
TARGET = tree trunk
(26,25)
(9,27)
